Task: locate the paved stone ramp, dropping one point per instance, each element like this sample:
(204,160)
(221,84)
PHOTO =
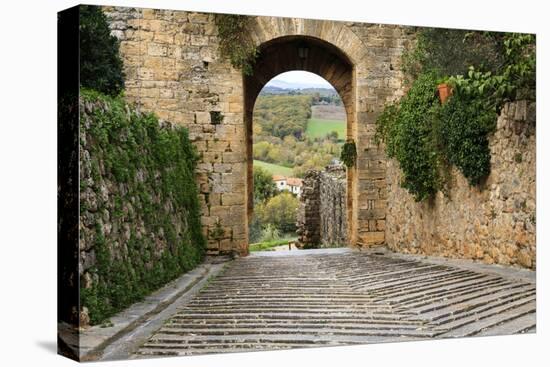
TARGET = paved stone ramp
(342,297)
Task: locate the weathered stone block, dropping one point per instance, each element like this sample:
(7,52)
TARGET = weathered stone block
(157,49)
(222,167)
(232,199)
(372,238)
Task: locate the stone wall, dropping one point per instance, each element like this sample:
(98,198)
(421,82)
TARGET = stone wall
(322,214)
(139,222)
(333,224)
(494,223)
(307,217)
(173,68)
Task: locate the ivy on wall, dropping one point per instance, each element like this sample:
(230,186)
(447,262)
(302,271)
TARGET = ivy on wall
(148,172)
(348,154)
(463,126)
(406,128)
(235,41)
(426,137)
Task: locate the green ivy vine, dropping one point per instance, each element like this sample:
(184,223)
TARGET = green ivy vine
(406,129)
(348,153)
(150,170)
(426,137)
(235,41)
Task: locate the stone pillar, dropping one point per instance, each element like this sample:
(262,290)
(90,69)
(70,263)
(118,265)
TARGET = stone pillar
(322,215)
(332,206)
(308,212)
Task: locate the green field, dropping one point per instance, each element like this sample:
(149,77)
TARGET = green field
(274,169)
(317,128)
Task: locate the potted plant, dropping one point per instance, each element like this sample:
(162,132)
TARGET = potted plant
(444,90)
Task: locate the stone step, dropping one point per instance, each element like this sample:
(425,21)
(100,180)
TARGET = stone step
(374,282)
(427,284)
(512,322)
(423,299)
(469,301)
(288,307)
(279,302)
(299,324)
(262,298)
(319,331)
(443,290)
(298,316)
(456,321)
(414,279)
(279,289)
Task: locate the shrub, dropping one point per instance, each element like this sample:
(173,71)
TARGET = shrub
(270,233)
(348,155)
(424,136)
(453,51)
(254,230)
(279,211)
(406,129)
(464,126)
(100,62)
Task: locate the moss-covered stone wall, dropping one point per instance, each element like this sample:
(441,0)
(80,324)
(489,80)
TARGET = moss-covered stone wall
(139,210)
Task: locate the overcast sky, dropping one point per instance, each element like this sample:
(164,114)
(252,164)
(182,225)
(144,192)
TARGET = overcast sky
(302,77)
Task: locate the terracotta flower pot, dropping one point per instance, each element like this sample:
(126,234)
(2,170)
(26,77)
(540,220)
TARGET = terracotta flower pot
(444,90)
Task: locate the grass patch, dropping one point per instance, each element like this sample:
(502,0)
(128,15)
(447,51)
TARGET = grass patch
(319,128)
(274,169)
(269,245)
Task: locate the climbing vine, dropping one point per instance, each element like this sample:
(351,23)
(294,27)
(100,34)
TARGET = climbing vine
(147,229)
(463,125)
(348,154)
(426,137)
(235,41)
(406,129)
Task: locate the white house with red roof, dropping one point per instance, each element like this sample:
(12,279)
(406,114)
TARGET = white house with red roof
(292,184)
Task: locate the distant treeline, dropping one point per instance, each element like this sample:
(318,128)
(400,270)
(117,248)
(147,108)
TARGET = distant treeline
(280,123)
(283,115)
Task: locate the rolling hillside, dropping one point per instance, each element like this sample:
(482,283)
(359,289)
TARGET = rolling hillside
(274,169)
(318,128)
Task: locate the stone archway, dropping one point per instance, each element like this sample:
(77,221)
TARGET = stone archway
(173,68)
(312,54)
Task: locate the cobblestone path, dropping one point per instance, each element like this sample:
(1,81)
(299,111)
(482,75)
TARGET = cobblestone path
(342,297)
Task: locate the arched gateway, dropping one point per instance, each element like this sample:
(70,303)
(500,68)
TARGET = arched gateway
(310,54)
(174,69)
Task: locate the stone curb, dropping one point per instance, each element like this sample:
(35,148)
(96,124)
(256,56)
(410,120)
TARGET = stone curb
(95,340)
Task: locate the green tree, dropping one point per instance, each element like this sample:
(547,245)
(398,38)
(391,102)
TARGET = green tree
(283,115)
(100,62)
(332,136)
(264,187)
(260,150)
(453,51)
(280,211)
